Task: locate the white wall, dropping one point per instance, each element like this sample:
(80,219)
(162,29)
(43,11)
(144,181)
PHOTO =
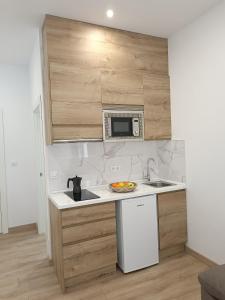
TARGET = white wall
(197,70)
(19,144)
(35,71)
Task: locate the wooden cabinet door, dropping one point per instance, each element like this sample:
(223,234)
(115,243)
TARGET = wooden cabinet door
(70,83)
(157,107)
(76,102)
(172,219)
(89,256)
(122,87)
(87,65)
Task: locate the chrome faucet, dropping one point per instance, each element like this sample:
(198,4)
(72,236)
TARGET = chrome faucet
(149,169)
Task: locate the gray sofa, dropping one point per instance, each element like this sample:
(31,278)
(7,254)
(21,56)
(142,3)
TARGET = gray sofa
(213,283)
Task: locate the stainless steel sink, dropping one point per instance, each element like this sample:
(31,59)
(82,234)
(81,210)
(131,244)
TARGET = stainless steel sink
(159,183)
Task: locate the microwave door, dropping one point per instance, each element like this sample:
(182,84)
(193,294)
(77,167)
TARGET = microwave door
(121,127)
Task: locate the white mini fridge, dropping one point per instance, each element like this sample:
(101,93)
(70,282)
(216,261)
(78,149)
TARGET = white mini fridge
(137,233)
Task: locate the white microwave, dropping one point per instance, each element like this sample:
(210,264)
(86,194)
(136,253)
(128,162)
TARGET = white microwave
(121,125)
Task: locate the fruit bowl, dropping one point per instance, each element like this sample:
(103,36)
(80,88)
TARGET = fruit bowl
(123,186)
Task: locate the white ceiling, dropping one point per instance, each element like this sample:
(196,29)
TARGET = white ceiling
(19,19)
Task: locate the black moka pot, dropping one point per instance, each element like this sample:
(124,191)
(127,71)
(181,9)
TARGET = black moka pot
(76,187)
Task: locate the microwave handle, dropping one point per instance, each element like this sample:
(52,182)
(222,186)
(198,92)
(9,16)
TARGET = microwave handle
(108,126)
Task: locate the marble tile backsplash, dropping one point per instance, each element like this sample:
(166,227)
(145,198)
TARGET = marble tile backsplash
(101,163)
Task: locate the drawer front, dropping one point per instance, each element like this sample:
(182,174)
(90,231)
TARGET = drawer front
(172,230)
(89,231)
(172,202)
(88,214)
(88,256)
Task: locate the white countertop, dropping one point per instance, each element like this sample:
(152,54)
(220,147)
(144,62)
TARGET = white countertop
(62,201)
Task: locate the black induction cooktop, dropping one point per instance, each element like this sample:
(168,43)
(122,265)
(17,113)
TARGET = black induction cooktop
(85,195)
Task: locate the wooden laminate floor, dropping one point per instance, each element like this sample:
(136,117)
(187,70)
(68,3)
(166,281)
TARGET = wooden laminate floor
(25,273)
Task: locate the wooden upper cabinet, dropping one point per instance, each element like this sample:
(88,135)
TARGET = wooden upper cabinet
(70,83)
(122,87)
(87,66)
(157,107)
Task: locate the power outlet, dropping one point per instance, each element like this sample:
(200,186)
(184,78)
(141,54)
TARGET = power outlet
(115,168)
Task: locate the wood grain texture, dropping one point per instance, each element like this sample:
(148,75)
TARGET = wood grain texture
(89,256)
(172,219)
(27,275)
(46,89)
(122,87)
(77,132)
(201,257)
(157,107)
(70,113)
(83,242)
(170,203)
(171,251)
(91,276)
(56,243)
(89,231)
(24,228)
(72,84)
(104,47)
(94,64)
(88,214)
(173,230)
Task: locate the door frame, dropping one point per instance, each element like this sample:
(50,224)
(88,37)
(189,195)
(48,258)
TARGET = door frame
(40,146)
(4,228)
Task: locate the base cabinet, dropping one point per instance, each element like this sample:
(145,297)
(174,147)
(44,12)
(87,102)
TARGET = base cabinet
(83,243)
(172,220)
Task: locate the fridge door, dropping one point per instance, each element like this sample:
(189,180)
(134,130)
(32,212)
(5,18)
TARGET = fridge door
(137,229)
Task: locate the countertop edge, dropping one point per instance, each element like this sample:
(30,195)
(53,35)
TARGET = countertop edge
(57,197)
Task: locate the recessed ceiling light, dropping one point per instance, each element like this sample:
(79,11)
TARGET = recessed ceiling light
(109,13)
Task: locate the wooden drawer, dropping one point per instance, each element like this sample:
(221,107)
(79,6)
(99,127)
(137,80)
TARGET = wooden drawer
(170,203)
(89,231)
(88,256)
(172,230)
(88,214)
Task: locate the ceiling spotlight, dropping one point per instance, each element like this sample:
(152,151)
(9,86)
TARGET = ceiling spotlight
(109,13)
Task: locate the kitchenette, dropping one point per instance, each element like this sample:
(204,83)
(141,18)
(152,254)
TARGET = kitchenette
(116,179)
(101,229)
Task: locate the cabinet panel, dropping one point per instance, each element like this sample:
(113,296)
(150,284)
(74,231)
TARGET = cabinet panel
(89,231)
(172,218)
(122,87)
(172,230)
(83,242)
(90,276)
(157,107)
(72,84)
(86,65)
(89,256)
(88,214)
(70,113)
(77,132)
(169,203)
